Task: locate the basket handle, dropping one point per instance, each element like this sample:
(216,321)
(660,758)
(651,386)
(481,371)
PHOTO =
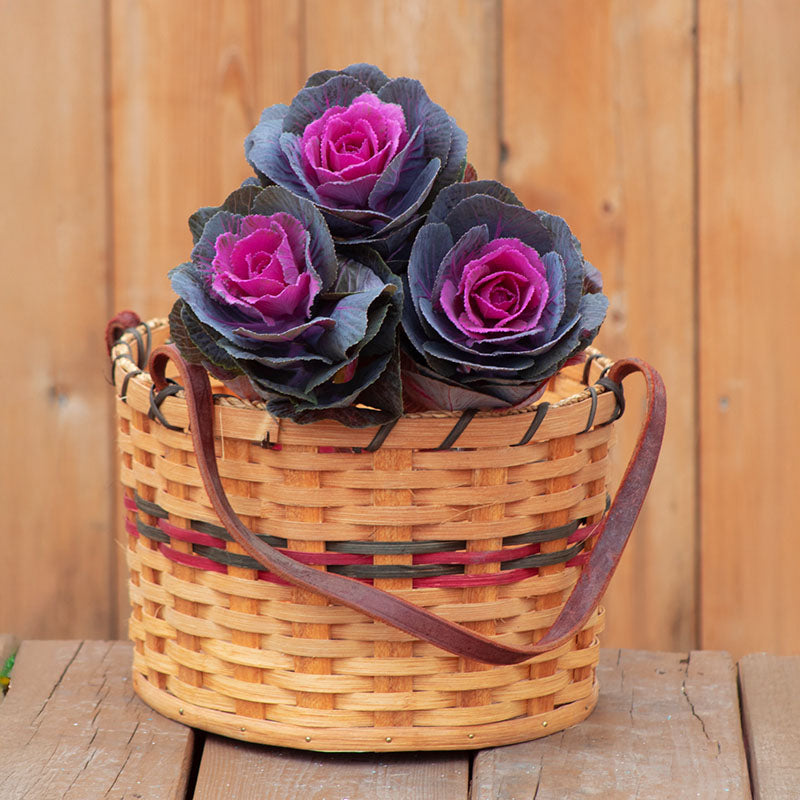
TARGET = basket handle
(614,530)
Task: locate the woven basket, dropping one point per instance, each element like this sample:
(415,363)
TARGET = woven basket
(485,521)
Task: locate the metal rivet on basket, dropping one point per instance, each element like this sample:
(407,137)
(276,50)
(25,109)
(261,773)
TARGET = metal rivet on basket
(470,736)
(242,729)
(544,724)
(308,738)
(388,738)
(180,711)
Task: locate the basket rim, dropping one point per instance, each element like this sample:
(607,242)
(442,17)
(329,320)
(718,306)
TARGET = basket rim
(132,382)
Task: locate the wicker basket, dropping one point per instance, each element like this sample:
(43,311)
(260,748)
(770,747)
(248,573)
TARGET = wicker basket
(485,521)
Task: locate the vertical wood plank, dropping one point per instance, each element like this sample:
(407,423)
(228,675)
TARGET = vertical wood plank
(770,710)
(251,772)
(749,105)
(189,79)
(598,128)
(55,408)
(451,46)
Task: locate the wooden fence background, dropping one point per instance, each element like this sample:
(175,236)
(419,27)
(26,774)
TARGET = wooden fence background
(665,131)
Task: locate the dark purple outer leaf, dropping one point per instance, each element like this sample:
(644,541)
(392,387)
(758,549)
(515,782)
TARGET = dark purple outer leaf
(454,166)
(238,202)
(569,248)
(452,195)
(502,219)
(269,127)
(310,104)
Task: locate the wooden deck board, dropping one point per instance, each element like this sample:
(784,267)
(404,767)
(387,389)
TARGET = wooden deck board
(665,726)
(254,772)
(71,728)
(770,712)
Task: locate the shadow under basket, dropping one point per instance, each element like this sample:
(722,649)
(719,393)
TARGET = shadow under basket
(486,520)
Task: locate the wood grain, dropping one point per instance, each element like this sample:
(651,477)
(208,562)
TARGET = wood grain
(770,687)
(55,410)
(749,124)
(188,82)
(124,117)
(598,128)
(451,46)
(252,772)
(71,728)
(666,724)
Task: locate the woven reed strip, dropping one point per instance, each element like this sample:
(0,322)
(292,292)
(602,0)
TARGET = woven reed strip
(193,590)
(144,590)
(353,485)
(237,451)
(365,738)
(310,661)
(197,660)
(496,478)
(599,455)
(208,699)
(142,461)
(160,663)
(387,463)
(353,519)
(179,571)
(562,448)
(134,566)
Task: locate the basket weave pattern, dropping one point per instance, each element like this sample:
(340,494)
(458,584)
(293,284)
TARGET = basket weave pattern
(488,533)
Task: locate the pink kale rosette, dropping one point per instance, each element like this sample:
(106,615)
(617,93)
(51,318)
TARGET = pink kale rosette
(370,152)
(498,299)
(268,307)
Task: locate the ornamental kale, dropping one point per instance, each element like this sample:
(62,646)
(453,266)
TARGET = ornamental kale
(370,152)
(291,294)
(269,307)
(498,299)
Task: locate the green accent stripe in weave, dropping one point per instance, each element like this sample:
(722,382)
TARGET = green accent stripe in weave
(151,532)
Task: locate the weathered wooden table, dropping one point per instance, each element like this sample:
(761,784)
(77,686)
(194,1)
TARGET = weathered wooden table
(668,725)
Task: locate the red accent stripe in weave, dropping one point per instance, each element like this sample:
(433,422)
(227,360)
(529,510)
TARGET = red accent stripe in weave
(188,560)
(129,503)
(443,581)
(477,556)
(193,537)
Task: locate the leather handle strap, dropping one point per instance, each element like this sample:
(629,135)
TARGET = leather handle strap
(420,623)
